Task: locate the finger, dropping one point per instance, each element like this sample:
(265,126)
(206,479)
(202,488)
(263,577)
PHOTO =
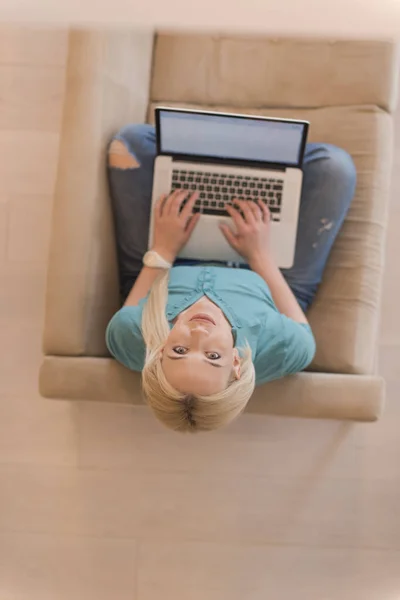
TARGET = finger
(230,237)
(187,210)
(235,215)
(160,205)
(265,211)
(168,198)
(258,215)
(248,213)
(175,203)
(191,225)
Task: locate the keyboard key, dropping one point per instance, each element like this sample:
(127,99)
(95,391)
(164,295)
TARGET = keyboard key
(263,194)
(213,203)
(277,187)
(221,182)
(201,188)
(237,183)
(205,202)
(279,198)
(213,181)
(198,179)
(185,186)
(247,192)
(225,197)
(218,196)
(208,188)
(206,180)
(202,195)
(232,190)
(182,178)
(252,184)
(224,190)
(259,186)
(217,188)
(221,204)
(270,194)
(190,179)
(244,183)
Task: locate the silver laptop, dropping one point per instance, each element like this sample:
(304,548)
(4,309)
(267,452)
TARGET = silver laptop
(227,156)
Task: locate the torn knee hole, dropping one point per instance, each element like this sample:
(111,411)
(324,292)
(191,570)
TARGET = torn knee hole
(119,156)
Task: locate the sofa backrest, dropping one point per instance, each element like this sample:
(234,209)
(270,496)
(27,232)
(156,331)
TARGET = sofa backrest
(243,71)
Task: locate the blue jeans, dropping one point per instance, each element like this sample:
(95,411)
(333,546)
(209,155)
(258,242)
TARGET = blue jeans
(328,187)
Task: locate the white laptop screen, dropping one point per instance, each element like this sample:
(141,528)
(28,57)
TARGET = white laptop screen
(238,138)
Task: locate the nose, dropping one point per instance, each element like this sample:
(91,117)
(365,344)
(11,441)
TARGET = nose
(198,329)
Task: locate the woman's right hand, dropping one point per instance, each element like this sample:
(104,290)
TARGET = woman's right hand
(174,223)
(252,222)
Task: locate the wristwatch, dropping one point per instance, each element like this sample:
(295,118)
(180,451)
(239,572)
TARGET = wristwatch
(155,261)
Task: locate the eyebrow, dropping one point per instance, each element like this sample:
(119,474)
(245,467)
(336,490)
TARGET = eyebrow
(215,365)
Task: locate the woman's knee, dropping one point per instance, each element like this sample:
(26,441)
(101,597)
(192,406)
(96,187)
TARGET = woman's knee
(334,162)
(131,145)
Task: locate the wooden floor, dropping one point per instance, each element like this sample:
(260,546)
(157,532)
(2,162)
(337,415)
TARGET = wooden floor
(98,502)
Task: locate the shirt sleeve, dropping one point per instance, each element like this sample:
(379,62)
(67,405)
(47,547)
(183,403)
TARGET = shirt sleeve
(124,337)
(299,346)
(284,347)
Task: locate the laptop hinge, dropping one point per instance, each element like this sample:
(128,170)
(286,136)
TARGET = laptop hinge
(229,162)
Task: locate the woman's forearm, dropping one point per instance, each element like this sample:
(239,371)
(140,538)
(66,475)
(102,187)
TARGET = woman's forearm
(282,295)
(142,285)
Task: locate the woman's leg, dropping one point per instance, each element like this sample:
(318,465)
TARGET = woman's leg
(131,163)
(328,187)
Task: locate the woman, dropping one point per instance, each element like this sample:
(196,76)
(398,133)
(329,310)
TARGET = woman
(204,335)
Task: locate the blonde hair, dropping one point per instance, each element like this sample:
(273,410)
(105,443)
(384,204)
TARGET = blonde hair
(177,410)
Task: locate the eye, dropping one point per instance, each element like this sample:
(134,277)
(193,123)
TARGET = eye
(213,355)
(179,349)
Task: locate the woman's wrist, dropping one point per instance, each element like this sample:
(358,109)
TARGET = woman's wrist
(165,254)
(260,260)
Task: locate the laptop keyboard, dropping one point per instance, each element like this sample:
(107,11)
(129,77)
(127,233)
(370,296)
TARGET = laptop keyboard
(217,190)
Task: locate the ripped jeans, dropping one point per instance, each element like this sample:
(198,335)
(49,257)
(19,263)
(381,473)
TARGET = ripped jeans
(328,187)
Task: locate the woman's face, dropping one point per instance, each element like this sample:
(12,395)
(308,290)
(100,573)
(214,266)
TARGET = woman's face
(199,356)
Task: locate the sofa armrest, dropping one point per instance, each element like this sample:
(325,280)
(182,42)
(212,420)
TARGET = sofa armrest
(107,85)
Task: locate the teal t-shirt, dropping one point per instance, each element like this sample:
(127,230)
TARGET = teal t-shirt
(279,345)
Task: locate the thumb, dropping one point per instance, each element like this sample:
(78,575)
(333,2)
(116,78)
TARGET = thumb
(229,235)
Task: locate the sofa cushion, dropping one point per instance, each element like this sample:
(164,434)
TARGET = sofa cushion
(345,314)
(245,71)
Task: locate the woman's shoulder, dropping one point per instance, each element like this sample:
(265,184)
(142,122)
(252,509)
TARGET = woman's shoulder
(284,347)
(124,337)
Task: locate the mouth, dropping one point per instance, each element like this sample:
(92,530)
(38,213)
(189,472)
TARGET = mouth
(203,317)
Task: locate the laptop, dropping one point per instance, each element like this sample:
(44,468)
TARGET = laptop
(226,156)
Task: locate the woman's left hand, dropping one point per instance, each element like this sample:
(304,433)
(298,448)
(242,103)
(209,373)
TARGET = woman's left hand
(173,226)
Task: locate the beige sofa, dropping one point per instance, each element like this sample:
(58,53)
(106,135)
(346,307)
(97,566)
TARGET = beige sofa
(346,89)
